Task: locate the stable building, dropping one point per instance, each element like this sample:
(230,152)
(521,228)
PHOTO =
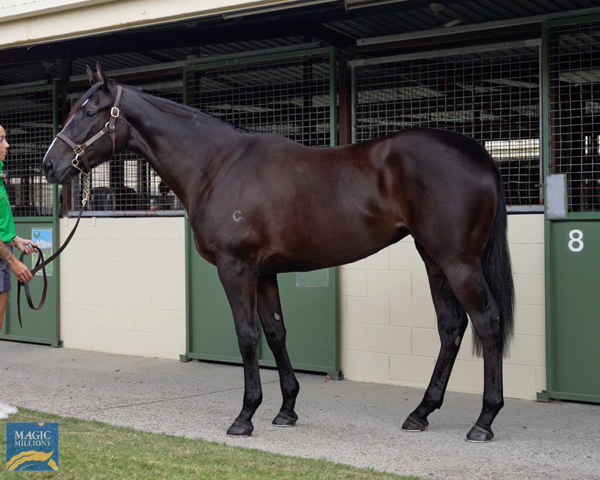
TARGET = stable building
(521,77)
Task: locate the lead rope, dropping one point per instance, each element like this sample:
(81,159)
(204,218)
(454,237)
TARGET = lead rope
(41,264)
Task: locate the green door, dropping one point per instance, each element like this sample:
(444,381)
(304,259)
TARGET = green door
(574,309)
(29,117)
(40,326)
(291,94)
(572,237)
(309,303)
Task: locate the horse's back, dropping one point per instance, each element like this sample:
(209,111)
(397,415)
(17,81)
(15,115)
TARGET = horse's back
(438,149)
(442,165)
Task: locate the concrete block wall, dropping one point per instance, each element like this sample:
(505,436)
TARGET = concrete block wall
(388,323)
(123,286)
(123,291)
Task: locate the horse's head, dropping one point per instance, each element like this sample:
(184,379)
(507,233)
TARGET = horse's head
(93,132)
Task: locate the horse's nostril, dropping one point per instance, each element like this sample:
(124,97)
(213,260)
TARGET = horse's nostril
(47,167)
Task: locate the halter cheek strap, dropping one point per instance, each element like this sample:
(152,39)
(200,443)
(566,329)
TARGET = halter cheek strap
(79,150)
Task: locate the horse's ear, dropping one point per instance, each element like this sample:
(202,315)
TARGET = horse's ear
(101,76)
(90,75)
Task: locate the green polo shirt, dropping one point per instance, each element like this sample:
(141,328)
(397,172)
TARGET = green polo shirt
(7,223)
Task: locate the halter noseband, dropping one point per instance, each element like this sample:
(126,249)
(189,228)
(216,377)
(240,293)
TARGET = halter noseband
(79,150)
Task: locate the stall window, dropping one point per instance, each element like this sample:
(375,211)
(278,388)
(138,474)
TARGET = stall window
(489,93)
(27,116)
(574,67)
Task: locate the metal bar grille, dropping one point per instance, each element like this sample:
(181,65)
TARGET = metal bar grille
(28,118)
(492,95)
(289,97)
(574,72)
(126,184)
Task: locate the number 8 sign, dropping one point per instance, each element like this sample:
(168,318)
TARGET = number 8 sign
(576,240)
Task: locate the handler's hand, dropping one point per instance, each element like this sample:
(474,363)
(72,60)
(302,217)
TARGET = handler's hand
(21,271)
(24,245)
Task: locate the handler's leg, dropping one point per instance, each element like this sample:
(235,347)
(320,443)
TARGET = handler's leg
(3,303)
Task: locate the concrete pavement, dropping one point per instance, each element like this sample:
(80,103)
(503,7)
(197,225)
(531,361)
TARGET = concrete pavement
(344,421)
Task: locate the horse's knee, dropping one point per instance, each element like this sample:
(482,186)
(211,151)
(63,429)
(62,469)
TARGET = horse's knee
(248,337)
(451,335)
(276,336)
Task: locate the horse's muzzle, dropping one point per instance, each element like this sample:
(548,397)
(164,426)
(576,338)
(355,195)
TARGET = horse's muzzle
(49,172)
(55,174)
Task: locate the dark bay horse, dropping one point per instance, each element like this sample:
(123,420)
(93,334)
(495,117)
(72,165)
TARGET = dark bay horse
(261,204)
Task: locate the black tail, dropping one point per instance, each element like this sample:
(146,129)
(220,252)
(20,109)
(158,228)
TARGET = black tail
(497,271)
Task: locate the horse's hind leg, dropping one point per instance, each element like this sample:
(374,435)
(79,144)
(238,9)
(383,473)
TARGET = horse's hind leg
(452,322)
(472,290)
(271,316)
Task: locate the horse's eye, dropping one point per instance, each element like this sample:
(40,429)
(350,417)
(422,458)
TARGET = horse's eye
(90,114)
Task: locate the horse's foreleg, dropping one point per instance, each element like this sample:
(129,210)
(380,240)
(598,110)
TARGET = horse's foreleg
(240,286)
(474,294)
(271,316)
(452,322)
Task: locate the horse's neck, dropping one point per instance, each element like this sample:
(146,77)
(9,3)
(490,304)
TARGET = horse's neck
(175,145)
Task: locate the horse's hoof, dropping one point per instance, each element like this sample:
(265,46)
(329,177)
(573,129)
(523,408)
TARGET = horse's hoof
(239,429)
(285,420)
(479,434)
(413,424)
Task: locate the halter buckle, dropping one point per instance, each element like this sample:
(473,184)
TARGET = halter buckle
(78,150)
(115,112)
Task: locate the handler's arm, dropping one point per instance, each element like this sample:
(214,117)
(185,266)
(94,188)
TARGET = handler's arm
(20,270)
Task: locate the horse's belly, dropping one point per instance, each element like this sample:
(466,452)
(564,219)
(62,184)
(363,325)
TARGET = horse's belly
(329,246)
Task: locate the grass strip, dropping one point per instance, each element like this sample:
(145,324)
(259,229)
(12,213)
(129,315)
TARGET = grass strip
(97,451)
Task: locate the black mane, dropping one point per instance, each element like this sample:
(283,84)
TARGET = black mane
(185,111)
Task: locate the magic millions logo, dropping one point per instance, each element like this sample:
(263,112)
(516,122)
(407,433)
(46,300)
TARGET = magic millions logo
(32,447)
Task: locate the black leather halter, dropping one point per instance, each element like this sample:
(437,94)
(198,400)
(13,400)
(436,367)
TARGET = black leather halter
(79,150)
